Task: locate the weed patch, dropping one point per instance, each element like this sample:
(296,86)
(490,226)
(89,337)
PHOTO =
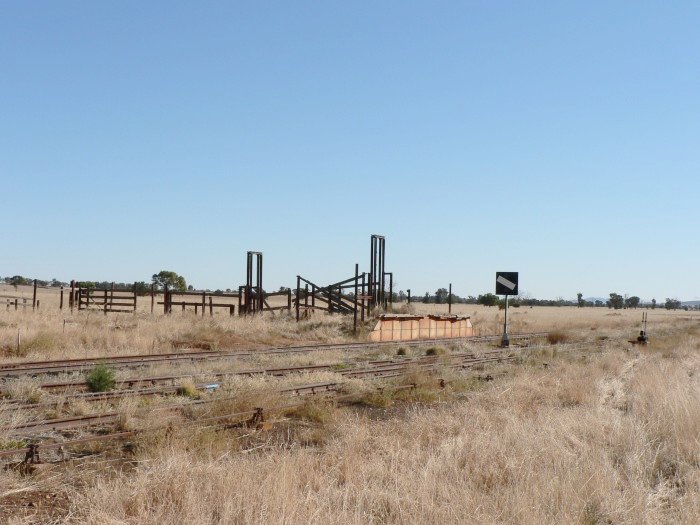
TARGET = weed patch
(100,379)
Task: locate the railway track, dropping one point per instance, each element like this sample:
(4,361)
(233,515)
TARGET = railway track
(386,370)
(274,371)
(34,368)
(163,385)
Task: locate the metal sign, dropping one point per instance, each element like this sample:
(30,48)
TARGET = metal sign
(506,283)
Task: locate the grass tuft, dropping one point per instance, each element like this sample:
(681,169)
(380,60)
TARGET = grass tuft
(557,337)
(100,378)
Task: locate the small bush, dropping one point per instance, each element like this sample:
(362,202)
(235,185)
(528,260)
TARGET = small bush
(12,444)
(100,379)
(188,389)
(436,350)
(557,337)
(401,351)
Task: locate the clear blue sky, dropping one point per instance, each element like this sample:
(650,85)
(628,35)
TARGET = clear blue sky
(557,139)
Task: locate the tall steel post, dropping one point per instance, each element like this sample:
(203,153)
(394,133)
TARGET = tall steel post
(505,341)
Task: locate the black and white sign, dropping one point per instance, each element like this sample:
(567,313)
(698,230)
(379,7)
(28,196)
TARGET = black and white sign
(506,283)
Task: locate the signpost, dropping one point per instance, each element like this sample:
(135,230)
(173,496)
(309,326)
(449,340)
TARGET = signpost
(506,284)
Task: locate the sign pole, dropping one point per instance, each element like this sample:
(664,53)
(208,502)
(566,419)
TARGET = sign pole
(505,341)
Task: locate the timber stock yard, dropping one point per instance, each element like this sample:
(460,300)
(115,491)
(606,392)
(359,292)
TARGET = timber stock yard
(171,389)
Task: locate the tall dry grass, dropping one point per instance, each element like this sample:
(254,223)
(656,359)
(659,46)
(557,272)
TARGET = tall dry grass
(50,333)
(610,439)
(599,435)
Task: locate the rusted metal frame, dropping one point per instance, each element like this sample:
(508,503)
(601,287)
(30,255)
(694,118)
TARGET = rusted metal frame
(71,299)
(248,282)
(297,297)
(111,296)
(382,253)
(354,299)
(199,293)
(362,316)
(254,292)
(261,290)
(167,306)
(330,297)
(390,299)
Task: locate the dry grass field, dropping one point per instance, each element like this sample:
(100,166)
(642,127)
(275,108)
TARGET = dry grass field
(593,432)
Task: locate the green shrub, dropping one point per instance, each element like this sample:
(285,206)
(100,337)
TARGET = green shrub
(100,379)
(436,350)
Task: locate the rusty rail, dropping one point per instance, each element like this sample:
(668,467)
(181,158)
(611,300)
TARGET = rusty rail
(77,365)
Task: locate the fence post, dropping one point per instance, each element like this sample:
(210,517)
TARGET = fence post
(34,296)
(60,306)
(354,309)
(72,295)
(449,300)
(362,313)
(165,300)
(104,306)
(204,301)
(211,308)
(135,295)
(153,295)
(391,288)
(298,292)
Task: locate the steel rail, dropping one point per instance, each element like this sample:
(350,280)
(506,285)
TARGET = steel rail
(375,367)
(76,365)
(34,427)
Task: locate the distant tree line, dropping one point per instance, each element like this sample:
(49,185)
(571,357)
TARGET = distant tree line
(176,282)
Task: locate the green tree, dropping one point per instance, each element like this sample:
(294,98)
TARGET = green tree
(426,298)
(616,301)
(672,304)
(18,280)
(579,298)
(170,279)
(632,302)
(488,299)
(653,304)
(142,287)
(441,295)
